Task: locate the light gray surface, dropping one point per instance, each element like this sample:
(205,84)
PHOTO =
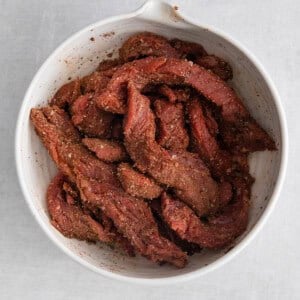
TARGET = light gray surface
(31,267)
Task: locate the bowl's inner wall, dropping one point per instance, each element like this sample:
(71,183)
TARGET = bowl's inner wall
(81,56)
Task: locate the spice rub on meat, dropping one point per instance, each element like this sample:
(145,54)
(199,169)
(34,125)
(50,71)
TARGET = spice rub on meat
(137,184)
(106,150)
(183,171)
(172,133)
(89,119)
(152,150)
(238,129)
(218,231)
(70,219)
(99,186)
(74,220)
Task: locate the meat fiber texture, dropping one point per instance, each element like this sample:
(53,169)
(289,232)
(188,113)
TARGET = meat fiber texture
(152,151)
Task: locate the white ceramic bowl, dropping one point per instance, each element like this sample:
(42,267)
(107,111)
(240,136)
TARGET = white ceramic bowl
(35,168)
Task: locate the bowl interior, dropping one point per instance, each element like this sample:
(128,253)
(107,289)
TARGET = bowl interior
(79,56)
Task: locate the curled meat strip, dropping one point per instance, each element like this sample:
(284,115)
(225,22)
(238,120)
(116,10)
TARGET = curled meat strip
(70,219)
(99,186)
(89,119)
(106,150)
(239,130)
(146,44)
(137,184)
(222,163)
(74,221)
(218,231)
(67,94)
(183,171)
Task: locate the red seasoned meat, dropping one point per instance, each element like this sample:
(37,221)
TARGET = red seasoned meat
(69,218)
(146,44)
(221,163)
(74,221)
(137,184)
(218,231)
(99,186)
(66,94)
(217,65)
(93,82)
(173,94)
(89,119)
(183,171)
(196,53)
(239,130)
(171,126)
(188,50)
(108,64)
(114,97)
(106,150)
(166,231)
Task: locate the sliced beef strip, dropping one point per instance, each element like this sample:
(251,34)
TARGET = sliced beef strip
(218,232)
(183,171)
(137,184)
(167,232)
(108,64)
(89,119)
(188,50)
(175,94)
(106,150)
(217,65)
(221,163)
(196,53)
(238,129)
(69,218)
(146,44)
(66,94)
(99,186)
(94,82)
(75,221)
(171,125)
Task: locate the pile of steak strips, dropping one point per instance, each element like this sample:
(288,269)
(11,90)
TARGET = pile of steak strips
(152,152)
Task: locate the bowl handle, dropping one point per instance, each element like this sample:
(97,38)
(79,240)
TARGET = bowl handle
(161,12)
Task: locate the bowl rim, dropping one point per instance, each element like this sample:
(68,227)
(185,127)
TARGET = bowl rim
(250,235)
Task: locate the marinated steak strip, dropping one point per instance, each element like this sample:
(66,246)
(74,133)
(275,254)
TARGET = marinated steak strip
(94,82)
(66,94)
(146,44)
(89,119)
(217,65)
(137,184)
(221,163)
(106,150)
(74,221)
(70,219)
(108,65)
(188,50)
(171,125)
(239,129)
(183,171)
(196,53)
(174,94)
(166,231)
(99,186)
(217,232)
